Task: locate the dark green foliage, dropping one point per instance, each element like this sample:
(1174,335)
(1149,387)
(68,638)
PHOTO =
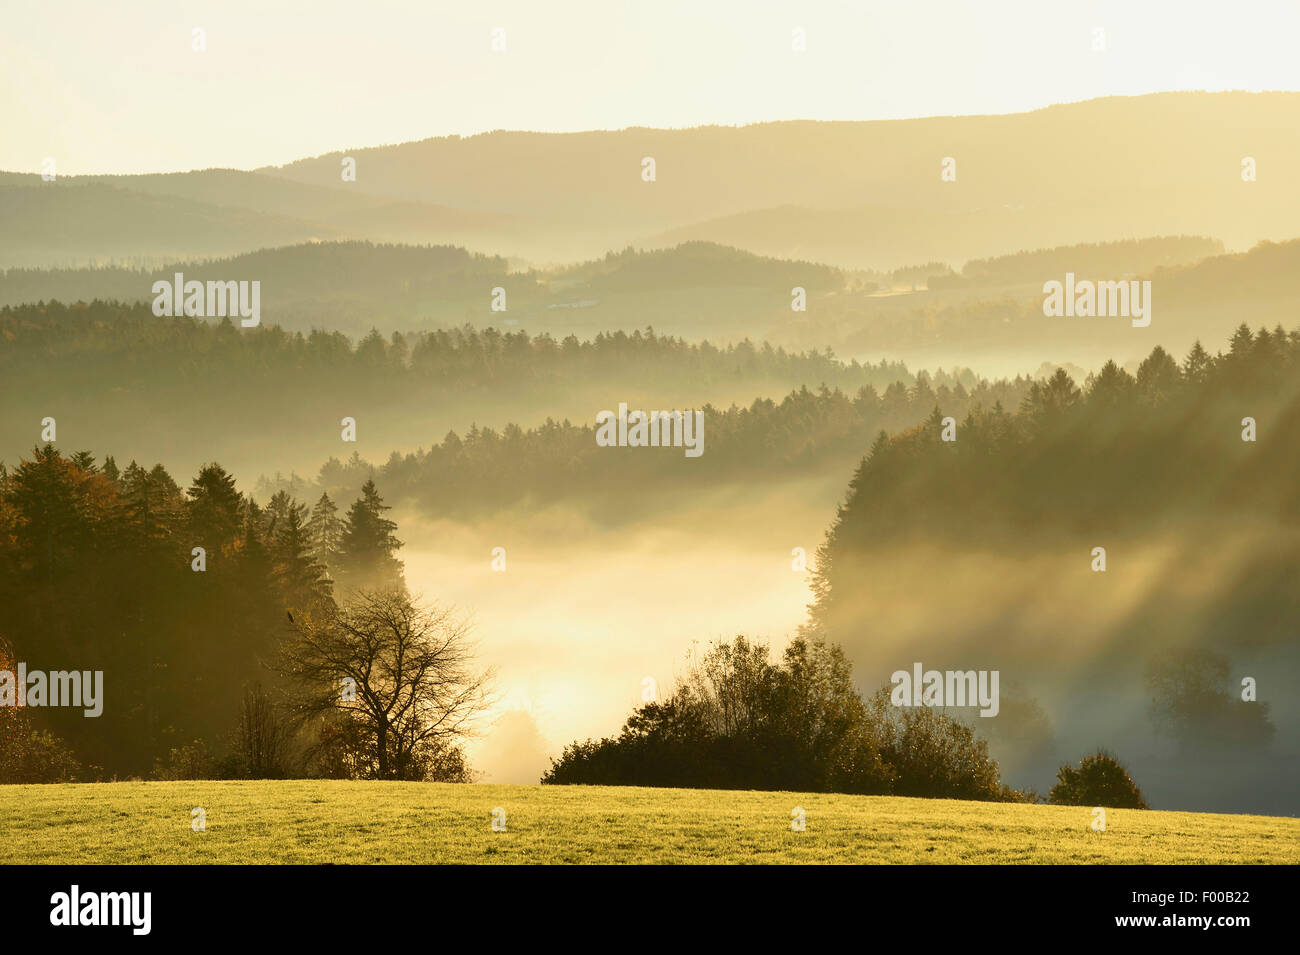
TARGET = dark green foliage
(931,754)
(96,573)
(737,721)
(368,545)
(1099,780)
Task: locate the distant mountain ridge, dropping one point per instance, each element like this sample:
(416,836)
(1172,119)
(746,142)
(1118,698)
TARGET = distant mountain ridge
(849,194)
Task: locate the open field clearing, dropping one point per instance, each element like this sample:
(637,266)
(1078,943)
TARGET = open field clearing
(367,822)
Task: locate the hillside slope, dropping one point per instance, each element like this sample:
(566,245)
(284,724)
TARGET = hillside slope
(371,822)
(869,194)
(851,194)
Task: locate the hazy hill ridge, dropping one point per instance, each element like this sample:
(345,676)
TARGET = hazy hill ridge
(861,194)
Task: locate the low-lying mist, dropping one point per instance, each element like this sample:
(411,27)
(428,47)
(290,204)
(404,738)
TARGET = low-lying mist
(584,615)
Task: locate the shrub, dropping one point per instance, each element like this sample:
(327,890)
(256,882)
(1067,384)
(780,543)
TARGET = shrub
(38,757)
(28,754)
(737,721)
(192,761)
(933,755)
(1100,780)
(261,738)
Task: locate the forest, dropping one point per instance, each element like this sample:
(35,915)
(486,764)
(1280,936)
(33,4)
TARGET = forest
(1149,520)
(99,566)
(215,390)
(1121,446)
(1110,259)
(182,597)
(128,345)
(803,434)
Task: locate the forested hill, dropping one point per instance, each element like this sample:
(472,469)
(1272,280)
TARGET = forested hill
(1157,510)
(1141,448)
(325,279)
(695,265)
(350,285)
(807,434)
(217,390)
(100,569)
(127,344)
(1126,257)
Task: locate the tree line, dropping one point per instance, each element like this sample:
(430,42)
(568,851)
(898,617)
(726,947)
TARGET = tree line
(126,346)
(1193,451)
(1111,260)
(1122,444)
(353,284)
(225,629)
(738,720)
(803,434)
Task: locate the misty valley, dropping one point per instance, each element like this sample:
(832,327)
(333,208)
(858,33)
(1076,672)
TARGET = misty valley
(915,490)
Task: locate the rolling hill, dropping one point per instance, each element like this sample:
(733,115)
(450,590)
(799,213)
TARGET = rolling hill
(850,194)
(134,823)
(869,194)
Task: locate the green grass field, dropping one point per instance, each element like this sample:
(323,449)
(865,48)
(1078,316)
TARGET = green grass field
(366,822)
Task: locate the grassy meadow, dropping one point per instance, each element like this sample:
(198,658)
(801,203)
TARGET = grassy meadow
(371,822)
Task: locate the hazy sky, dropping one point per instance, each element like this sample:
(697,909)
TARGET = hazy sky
(117,87)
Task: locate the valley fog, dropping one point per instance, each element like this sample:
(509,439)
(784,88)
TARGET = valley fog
(584,613)
(587,612)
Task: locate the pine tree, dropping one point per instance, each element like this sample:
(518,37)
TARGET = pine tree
(1199,363)
(1158,377)
(369,547)
(301,576)
(277,511)
(1240,344)
(44,493)
(1110,388)
(325,531)
(216,508)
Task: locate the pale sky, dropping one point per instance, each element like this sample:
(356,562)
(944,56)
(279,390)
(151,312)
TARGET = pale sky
(117,87)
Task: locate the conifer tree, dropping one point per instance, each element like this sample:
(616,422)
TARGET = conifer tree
(301,576)
(369,547)
(325,531)
(215,508)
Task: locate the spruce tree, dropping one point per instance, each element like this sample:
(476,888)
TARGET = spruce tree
(369,547)
(301,576)
(325,531)
(216,508)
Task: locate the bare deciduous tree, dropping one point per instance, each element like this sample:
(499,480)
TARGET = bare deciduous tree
(400,675)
